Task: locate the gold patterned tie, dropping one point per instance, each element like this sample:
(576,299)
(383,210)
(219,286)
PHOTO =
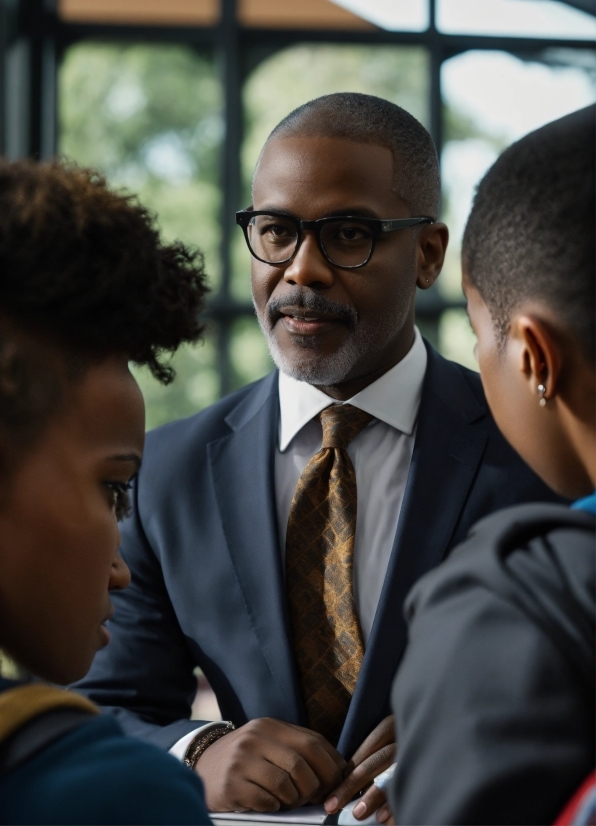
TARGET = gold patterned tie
(319,559)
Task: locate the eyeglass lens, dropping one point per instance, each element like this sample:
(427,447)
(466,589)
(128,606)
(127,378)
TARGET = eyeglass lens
(274,239)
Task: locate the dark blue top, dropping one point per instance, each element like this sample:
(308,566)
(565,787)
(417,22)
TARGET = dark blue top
(96,775)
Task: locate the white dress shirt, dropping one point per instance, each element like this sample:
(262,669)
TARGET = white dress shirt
(381,453)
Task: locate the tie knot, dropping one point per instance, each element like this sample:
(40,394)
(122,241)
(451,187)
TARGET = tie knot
(341,424)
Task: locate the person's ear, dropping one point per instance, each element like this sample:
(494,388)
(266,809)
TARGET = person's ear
(432,245)
(540,355)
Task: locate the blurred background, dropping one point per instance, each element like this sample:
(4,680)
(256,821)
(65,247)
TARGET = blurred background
(173,99)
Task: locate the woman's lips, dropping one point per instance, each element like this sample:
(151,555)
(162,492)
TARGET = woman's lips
(104,636)
(309,325)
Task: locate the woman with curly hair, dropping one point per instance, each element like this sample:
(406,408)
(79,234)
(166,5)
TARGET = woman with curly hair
(86,286)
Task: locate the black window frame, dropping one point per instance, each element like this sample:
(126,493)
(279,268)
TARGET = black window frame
(33,40)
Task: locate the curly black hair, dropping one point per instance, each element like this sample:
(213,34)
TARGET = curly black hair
(86,265)
(83,265)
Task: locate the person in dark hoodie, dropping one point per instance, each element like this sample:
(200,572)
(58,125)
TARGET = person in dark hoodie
(494,701)
(86,286)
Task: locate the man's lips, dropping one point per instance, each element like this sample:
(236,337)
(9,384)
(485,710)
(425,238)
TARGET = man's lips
(307,322)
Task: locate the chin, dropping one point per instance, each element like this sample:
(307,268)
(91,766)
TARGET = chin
(305,364)
(62,670)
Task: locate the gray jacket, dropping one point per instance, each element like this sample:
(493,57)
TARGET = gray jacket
(494,700)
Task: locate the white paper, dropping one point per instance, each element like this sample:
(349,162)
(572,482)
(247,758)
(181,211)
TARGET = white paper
(312,815)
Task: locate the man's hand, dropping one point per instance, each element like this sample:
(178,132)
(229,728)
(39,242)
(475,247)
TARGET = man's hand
(267,765)
(374,756)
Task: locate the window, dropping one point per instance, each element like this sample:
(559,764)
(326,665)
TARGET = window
(142,96)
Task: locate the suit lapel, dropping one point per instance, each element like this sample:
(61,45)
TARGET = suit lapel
(242,470)
(450,440)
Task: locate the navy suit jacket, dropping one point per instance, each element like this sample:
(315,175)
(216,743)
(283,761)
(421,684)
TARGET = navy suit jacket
(207,579)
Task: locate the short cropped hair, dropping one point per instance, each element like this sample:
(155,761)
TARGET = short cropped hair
(530,234)
(83,266)
(369,119)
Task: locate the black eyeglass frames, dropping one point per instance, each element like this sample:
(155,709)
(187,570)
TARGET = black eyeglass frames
(345,241)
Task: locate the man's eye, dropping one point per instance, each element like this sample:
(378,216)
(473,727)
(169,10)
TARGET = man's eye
(119,498)
(277,230)
(349,232)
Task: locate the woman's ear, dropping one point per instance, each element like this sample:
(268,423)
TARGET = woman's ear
(540,354)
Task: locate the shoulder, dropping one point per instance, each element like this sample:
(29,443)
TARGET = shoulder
(538,559)
(494,696)
(97,775)
(457,385)
(212,423)
(453,397)
(557,539)
(178,450)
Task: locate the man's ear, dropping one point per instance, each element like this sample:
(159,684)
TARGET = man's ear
(432,245)
(540,356)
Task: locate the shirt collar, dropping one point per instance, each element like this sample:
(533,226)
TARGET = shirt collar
(394,398)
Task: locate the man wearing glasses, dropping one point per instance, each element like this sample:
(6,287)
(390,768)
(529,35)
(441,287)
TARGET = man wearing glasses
(275,535)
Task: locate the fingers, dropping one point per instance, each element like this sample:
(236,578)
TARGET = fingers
(384,816)
(359,778)
(382,735)
(325,761)
(369,803)
(267,765)
(314,738)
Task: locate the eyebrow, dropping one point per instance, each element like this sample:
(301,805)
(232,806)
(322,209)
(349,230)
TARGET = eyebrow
(356,211)
(127,457)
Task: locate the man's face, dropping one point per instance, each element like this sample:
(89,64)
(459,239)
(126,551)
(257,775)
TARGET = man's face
(327,325)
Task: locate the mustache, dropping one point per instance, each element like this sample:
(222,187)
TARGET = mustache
(309,300)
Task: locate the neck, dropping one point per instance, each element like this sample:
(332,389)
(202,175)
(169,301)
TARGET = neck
(578,417)
(584,438)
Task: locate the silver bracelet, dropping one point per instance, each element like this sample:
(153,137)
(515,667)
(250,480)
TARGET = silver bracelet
(199,745)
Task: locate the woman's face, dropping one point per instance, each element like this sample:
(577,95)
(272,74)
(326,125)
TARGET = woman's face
(59,535)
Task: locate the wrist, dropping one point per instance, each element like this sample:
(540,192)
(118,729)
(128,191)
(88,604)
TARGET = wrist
(199,745)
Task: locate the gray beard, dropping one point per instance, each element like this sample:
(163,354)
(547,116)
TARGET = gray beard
(365,338)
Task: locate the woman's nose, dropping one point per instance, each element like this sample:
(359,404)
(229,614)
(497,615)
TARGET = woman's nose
(119,575)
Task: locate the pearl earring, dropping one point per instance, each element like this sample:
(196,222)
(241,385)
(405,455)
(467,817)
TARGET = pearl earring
(541,392)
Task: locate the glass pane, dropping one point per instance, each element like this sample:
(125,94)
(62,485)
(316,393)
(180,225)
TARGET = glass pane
(398,73)
(516,18)
(492,99)
(196,384)
(148,116)
(387,14)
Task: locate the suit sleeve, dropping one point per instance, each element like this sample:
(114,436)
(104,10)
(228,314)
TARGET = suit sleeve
(491,720)
(145,675)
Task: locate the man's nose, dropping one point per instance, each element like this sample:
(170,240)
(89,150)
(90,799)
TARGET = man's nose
(119,575)
(309,267)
